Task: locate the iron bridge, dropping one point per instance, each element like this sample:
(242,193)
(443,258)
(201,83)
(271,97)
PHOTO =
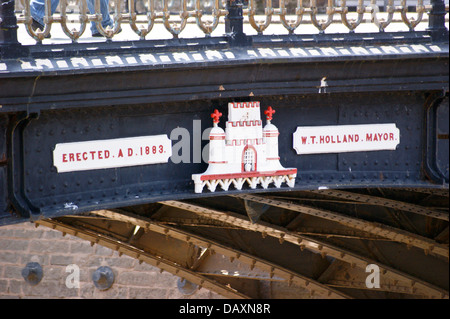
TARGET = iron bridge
(100,138)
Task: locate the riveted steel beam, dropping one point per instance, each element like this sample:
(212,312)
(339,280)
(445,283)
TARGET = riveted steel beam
(270,268)
(143,256)
(370,227)
(317,246)
(373,200)
(257,268)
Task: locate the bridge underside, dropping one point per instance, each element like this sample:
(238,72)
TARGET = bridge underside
(303,244)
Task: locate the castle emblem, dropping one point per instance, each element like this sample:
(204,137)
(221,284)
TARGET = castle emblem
(245,152)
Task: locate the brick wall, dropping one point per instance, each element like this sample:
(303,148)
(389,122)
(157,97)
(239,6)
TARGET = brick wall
(24,243)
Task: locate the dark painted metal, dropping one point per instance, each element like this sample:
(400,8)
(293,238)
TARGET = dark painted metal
(234,22)
(103,278)
(35,89)
(436,22)
(436,160)
(9,45)
(186,287)
(33,273)
(16,178)
(75,192)
(3,169)
(40,107)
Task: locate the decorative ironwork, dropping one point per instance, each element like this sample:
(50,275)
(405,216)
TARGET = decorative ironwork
(292,15)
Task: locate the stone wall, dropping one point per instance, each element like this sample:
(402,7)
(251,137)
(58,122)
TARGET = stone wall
(24,243)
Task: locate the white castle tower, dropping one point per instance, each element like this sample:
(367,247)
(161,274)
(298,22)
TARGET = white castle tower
(244,152)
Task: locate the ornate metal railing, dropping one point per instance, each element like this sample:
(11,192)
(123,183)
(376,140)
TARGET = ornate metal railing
(290,16)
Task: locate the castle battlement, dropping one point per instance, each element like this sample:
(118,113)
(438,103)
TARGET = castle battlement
(245,152)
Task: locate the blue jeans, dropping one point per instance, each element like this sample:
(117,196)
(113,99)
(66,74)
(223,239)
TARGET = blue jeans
(37,8)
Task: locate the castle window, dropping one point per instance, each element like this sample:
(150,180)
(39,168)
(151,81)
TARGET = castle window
(249,159)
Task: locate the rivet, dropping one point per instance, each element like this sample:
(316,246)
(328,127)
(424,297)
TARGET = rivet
(103,278)
(186,287)
(272,269)
(32,273)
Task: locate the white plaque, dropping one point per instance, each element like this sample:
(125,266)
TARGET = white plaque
(345,138)
(120,152)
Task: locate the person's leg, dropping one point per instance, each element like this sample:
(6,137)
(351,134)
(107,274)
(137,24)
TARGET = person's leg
(37,9)
(104,10)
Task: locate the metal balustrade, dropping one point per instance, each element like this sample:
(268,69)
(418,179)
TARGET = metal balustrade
(290,16)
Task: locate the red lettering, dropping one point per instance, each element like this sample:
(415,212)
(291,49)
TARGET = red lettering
(106,154)
(344,140)
(313,138)
(304,139)
(78,157)
(356,137)
(369,137)
(130,152)
(64,158)
(391,136)
(85,157)
(321,139)
(93,154)
(71,157)
(120,153)
(100,154)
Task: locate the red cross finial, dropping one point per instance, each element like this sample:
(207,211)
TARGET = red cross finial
(269,113)
(215,116)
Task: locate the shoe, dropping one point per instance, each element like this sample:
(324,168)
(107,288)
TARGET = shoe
(36,25)
(99,35)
